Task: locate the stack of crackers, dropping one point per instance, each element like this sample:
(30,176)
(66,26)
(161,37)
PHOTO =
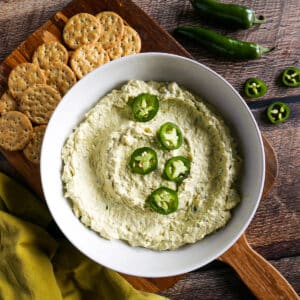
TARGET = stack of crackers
(35,89)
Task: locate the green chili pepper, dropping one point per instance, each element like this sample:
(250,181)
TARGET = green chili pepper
(143,160)
(222,45)
(177,168)
(163,200)
(278,112)
(291,77)
(255,87)
(233,15)
(145,107)
(170,136)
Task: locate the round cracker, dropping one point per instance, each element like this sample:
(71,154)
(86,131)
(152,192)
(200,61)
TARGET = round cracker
(131,42)
(81,29)
(15,131)
(33,149)
(113,28)
(60,76)
(22,77)
(88,57)
(116,51)
(38,102)
(50,52)
(7,103)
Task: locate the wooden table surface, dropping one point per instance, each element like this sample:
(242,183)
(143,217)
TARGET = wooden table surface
(275,231)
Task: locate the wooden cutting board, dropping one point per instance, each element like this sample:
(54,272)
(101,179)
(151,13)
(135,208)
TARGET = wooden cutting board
(154,38)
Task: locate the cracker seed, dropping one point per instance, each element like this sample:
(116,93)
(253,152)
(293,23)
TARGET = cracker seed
(81,29)
(38,102)
(7,103)
(33,149)
(15,131)
(88,57)
(113,28)
(50,52)
(60,76)
(22,77)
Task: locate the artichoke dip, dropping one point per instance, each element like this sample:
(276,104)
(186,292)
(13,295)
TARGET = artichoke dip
(153,165)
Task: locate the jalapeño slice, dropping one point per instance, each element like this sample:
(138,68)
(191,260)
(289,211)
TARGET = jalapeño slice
(278,112)
(291,77)
(170,136)
(255,87)
(163,200)
(177,168)
(143,160)
(145,107)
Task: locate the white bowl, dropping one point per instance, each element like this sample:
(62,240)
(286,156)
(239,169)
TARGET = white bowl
(198,78)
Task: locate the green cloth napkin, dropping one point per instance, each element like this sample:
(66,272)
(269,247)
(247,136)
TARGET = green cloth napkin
(36,266)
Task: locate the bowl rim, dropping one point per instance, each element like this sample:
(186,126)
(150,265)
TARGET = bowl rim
(234,238)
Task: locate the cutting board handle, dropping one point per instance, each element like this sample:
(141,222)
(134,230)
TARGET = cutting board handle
(258,274)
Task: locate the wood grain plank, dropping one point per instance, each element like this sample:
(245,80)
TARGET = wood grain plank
(282,30)
(264,281)
(277,220)
(19,19)
(220,282)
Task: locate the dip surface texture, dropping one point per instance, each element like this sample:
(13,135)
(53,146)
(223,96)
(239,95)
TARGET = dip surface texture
(111,200)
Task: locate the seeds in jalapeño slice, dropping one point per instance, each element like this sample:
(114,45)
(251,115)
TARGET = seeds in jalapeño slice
(143,160)
(177,168)
(163,200)
(291,77)
(145,107)
(278,112)
(170,136)
(255,88)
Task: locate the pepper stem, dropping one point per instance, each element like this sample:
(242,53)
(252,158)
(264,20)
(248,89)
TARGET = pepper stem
(266,50)
(260,20)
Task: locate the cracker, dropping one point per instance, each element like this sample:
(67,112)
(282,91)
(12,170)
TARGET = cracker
(60,76)
(50,52)
(116,51)
(33,149)
(15,131)
(113,28)
(22,77)
(38,102)
(131,42)
(7,103)
(81,29)
(87,57)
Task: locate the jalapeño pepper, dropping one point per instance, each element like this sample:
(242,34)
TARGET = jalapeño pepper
(145,107)
(291,77)
(278,112)
(233,15)
(163,200)
(223,45)
(255,88)
(177,168)
(170,136)
(143,160)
